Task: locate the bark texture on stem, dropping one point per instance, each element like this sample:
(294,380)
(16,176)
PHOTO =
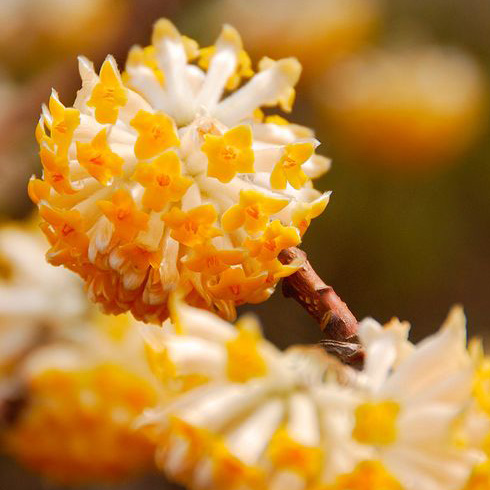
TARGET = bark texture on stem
(320,300)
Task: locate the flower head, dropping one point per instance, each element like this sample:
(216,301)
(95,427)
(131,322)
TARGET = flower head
(170,177)
(245,415)
(83,398)
(406,108)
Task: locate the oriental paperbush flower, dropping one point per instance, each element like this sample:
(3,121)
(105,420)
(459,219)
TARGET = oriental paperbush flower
(170,176)
(416,401)
(83,397)
(246,416)
(408,108)
(36,300)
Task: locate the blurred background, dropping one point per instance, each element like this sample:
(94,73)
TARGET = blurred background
(398,93)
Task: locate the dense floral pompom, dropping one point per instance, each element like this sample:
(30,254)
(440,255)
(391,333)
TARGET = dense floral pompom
(171,177)
(83,397)
(410,108)
(247,416)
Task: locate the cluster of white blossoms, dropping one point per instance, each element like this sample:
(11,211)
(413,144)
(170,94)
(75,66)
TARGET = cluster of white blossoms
(244,415)
(36,300)
(171,176)
(83,394)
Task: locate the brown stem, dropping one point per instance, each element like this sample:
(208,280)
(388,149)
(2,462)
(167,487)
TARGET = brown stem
(320,300)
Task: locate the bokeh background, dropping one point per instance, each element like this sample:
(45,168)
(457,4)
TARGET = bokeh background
(398,93)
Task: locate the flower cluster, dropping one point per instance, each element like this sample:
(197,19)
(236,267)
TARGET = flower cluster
(83,398)
(245,415)
(411,107)
(84,377)
(170,176)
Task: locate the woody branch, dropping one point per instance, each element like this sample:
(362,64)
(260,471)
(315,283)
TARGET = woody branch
(320,300)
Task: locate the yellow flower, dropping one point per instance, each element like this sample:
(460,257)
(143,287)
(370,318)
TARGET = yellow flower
(162,180)
(97,157)
(109,94)
(69,227)
(275,238)
(252,212)
(277,270)
(141,258)
(289,454)
(121,210)
(234,285)
(244,359)
(156,133)
(230,472)
(288,169)
(304,213)
(211,261)
(376,423)
(38,190)
(194,227)
(229,154)
(56,171)
(368,475)
(65,121)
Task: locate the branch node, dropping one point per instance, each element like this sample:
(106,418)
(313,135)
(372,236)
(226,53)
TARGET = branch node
(321,301)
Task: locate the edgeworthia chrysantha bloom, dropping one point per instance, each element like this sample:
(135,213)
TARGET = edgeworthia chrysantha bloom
(170,176)
(243,415)
(81,378)
(83,395)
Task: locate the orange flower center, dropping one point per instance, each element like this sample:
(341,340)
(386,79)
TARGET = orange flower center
(163,180)
(67,229)
(253,212)
(212,261)
(270,244)
(229,153)
(288,162)
(109,94)
(156,132)
(191,226)
(121,214)
(61,127)
(97,159)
